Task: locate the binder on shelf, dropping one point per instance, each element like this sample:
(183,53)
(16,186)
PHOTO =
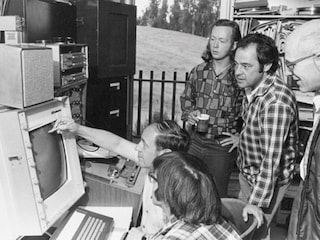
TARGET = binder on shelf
(250,4)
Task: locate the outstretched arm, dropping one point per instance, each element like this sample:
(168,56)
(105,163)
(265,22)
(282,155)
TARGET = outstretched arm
(102,138)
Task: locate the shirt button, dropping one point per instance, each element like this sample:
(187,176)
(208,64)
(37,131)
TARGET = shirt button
(143,226)
(147,211)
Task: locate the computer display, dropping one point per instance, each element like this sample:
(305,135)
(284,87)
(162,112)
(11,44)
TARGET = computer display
(40,174)
(50,163)
(44,19)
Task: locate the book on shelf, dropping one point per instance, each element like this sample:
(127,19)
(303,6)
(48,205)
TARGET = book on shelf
(304,97)
(306,112)
(238,4)
(307,125)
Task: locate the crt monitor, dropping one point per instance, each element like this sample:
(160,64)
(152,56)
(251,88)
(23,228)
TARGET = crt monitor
(50,161)
(40,174)
(45,19)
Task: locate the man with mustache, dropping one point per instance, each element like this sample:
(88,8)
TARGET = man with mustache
(268,141)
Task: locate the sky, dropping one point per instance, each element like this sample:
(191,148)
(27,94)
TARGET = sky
(143,4)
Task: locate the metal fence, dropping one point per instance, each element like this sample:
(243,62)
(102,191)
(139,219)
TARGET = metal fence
(158,98)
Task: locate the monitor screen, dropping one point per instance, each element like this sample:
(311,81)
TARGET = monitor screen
(45,20)
(50,159)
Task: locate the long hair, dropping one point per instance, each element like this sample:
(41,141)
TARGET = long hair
(171,136)
(187,187)
(267,51)
(236,35)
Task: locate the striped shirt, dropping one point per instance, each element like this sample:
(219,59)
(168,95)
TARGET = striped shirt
(219,95)
(268,143)
(181,230)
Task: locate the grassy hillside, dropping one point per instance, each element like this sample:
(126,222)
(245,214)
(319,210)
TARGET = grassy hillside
(164,50)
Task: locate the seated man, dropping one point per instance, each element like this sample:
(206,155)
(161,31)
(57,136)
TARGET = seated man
(185,190)
(156,139)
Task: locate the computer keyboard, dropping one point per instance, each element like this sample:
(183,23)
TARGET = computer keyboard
(91,229)
(84,225)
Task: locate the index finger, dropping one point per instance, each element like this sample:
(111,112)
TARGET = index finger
(54,126)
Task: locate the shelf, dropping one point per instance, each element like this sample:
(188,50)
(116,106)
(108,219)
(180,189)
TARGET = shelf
(277,16)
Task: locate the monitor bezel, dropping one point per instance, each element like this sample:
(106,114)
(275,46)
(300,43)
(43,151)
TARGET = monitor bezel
(28,213)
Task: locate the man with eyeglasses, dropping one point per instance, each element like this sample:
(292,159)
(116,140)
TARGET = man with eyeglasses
(302,53)
(156,139)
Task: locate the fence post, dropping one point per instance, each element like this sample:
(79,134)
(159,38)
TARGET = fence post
(186,79)
(163,78)
(139,102)
(174,89)
(150,96)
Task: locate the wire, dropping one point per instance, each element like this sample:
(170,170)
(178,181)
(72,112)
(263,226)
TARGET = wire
(88,150)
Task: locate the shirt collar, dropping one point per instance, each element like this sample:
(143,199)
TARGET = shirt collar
(262,88)
(168,226)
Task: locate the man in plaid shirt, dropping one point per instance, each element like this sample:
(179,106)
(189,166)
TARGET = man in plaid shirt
(184,188)
(211,88)
(268,142)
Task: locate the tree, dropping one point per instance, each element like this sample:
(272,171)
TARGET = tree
(143,20)
(162,16)
(207,15)
(190,16)
(176,14)
(150,15)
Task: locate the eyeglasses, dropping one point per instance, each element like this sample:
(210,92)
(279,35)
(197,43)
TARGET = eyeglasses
(291,65)
(152,177)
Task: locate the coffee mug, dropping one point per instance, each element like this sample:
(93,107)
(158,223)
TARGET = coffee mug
(203,123)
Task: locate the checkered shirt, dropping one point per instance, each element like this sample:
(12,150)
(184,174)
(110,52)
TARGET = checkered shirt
(218,94)
(268,144)
(180,230)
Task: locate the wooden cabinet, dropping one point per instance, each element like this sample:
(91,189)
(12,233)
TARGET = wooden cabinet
(109,30)
(107,104)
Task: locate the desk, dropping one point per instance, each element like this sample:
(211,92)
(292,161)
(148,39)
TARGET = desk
(101,191)
(121,216)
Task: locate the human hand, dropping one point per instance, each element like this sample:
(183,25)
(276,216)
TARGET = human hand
(233,140)
(193,117)
(134,234)
(255,211)
(65,124)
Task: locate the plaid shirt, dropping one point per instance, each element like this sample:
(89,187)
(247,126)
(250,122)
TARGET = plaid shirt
(180,230)
(268,144)
(218,94)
